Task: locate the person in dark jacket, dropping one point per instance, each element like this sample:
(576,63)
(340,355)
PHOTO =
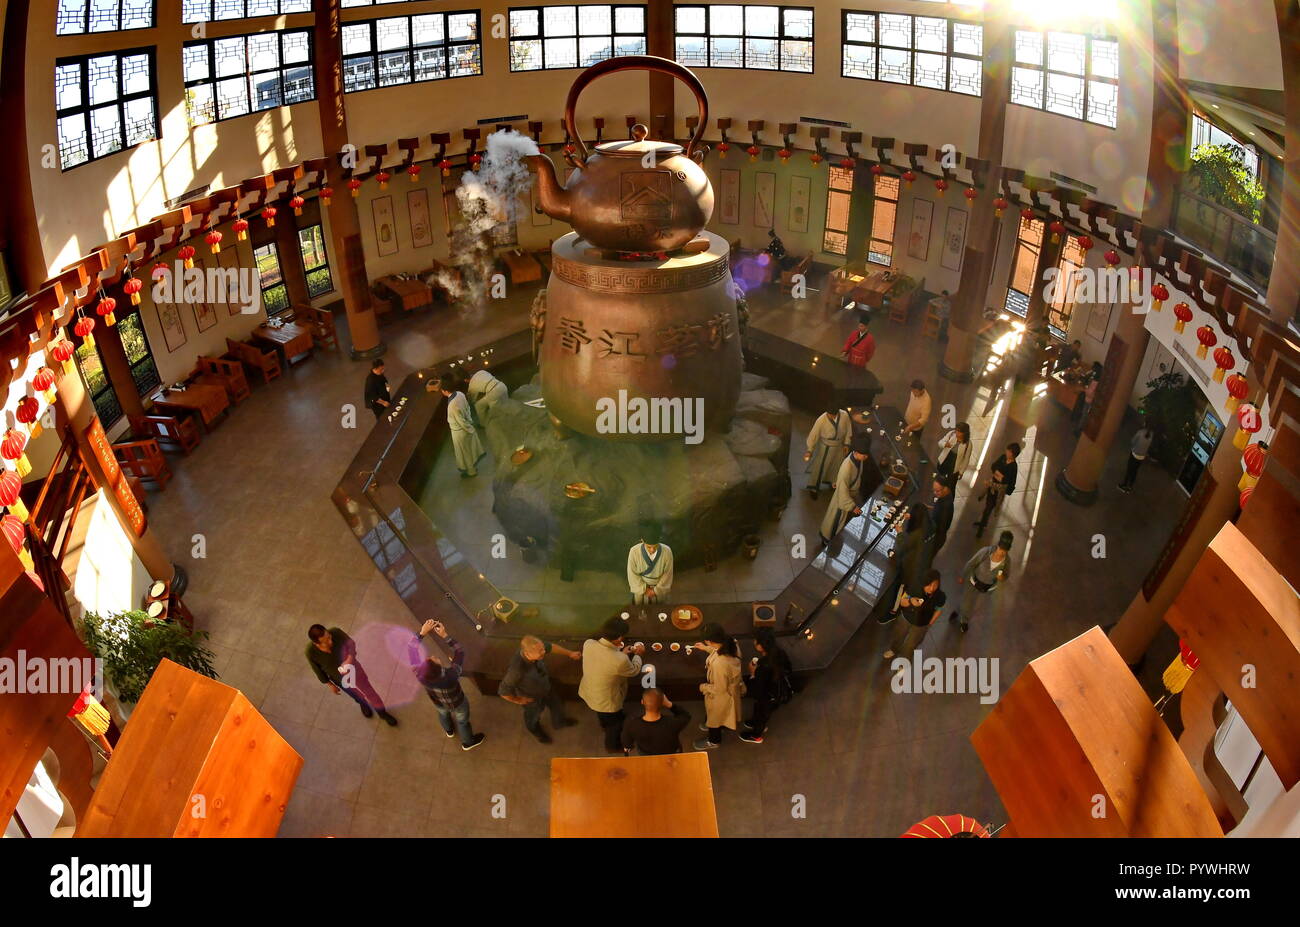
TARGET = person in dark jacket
(912,551)
(1002,483)
(333,657)
(440,675)
(378,399)
(527,682)
(769,684)
(941,513)
(652,734)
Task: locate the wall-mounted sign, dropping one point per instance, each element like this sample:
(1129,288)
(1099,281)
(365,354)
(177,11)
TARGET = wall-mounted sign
(103,451)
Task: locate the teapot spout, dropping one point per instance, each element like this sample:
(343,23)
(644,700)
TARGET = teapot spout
(551,197)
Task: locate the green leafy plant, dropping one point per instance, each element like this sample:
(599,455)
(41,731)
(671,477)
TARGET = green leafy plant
(131,644)
(1221,175)
(1170,408)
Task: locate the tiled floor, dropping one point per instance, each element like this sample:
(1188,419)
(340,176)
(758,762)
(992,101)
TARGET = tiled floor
(866,761)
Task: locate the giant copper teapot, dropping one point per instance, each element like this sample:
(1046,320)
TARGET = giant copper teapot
(638,195)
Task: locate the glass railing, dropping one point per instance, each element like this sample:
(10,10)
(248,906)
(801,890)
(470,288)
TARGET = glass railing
(1225,236)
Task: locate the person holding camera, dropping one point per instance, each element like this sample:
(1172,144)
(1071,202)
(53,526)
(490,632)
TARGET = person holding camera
(607,664)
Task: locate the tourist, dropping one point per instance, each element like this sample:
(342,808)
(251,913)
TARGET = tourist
(916,415)
(943,310)
(378,399)
(775,250)
(606,667)
(440,674)
(769,684)
(918,613)
(983,575)
(847,500)
(954,453)
(1068,356)
(527,682)
(650,568)
(464,439)
(1002,483)
(941,513)
(912,552)
(484,391)
(1138,450)
(724,688)
(1083,402)
(333,657)
(828,442)
(652,734)
(860,346)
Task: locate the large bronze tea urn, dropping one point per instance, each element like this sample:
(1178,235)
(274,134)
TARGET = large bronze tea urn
(640,310)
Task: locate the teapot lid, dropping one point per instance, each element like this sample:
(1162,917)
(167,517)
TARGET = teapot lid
(638,145)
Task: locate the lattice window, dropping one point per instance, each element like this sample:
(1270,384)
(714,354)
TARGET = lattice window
(884,221)
(839,204)
(104,104)
(923,51)
(769,38)
(411,49)
(551,37)
(198,11)
(1073,259)
(233,76)
(1069,74)
(75,17)
(1024,265)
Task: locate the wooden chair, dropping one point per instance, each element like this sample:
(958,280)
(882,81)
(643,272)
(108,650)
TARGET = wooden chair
(143,460)
(229,373)
(181,433)
(802,266)
(321,323)
(932,322)
(267,362)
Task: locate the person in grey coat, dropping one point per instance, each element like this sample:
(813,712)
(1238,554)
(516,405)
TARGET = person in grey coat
(982,576)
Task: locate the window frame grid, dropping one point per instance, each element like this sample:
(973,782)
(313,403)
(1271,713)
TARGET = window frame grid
(708,35)
(86,107)
(85,20)
(212,5)
(540,36)
(323,265)
(213,79)
(1088,77)
(948,54)
(375,53)
(831,191)
(871,234)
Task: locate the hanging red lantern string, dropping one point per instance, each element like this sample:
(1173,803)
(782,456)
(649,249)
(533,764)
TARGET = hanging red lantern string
(1183,313)
(213,239)
(1000,204)
(62,351)
(43,382)
(132,288)
(104,308)
(15,533)
(1238,389)
(753,152)
(297,203)
(354,186)
(28,413)
(1208,339)
(326,195)
(269,215)
(186,254)
(84,329)
(240,227)
(1224,360)
(1249,422)
(1159,293)
(941,186)
(11,488)
(723,148)
(1252,463)
(909,177)
(14,449)
(1056,227)
(383,177)
(414,173)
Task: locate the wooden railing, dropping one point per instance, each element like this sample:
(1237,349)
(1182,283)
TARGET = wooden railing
(1242,245)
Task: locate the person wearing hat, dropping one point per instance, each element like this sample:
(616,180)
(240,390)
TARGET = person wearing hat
(860,346)
(983,575)
(828,442)
(650,568)
(849,493)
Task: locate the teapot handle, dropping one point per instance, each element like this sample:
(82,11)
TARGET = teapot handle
(635,63)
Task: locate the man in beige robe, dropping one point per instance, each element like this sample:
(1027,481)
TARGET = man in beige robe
(464,438)
(828,442)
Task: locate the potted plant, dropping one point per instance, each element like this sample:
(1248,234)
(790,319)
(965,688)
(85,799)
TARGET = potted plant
(132,644)
(1171,407)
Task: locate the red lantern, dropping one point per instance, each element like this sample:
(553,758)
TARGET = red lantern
(909,176)
(1252,462)
(14,448)
(269,215)
(816,158)
(104,308)
(1208,339)
(784,155)
(297,203)
(132,289)
(1249,422)
(213,239)
(1000,205)
(876,169)
(383,177)
(84,329)
(43,382)
(159,270)
(1183,313)
(1224,360)
(241,229)
(1086,243)
(354,186)
(971,194)
(1238,388)
(326,195)
(753,152)
(1056,227)
(1111,257)
(11,488)
(1159,293)
(1245,496)
(186,254)
(62,352)
(413,172)
(15,532)
(847,164)
(475,160)
(940,186)
(445,166)
(28,413)
(1027,215)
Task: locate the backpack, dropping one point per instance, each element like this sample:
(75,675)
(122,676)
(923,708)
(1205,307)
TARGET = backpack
(783,691)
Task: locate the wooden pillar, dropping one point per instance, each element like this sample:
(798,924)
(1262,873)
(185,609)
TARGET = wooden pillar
(345,227)
(1284,281)
(981,237)
(660,41)
(19,228)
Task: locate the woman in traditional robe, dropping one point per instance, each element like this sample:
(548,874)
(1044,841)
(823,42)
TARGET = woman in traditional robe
(828,442)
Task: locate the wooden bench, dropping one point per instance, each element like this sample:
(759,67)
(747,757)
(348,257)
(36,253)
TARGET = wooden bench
(250,355)
(226,372)
(143,460)
(179,432)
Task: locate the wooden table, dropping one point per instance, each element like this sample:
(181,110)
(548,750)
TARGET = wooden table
(523,267)
(292,339)
(411,294)
(634,796)
(209,400)
(859,284)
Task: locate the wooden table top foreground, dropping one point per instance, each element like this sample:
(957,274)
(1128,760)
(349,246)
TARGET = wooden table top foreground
(634,796)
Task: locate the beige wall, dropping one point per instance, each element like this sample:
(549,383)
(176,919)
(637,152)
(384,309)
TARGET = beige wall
(1231,42)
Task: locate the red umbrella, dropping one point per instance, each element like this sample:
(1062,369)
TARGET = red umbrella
(947,825)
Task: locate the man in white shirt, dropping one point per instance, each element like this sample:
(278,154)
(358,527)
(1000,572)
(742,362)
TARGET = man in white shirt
(1137,454)
(650,568)
(916,415)
(606,668)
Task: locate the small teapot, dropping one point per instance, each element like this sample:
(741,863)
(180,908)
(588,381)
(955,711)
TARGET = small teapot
(635,195)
